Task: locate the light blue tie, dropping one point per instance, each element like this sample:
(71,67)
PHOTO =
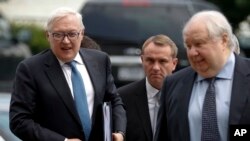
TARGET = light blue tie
(80,99)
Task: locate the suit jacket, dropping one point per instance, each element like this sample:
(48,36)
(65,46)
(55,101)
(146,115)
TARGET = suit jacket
(42,107)
(134,97)
(176,92)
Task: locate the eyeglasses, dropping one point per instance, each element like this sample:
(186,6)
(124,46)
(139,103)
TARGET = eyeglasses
(59,36)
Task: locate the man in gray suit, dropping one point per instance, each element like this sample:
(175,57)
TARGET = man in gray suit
(141,97)
(211,47)
(42,104)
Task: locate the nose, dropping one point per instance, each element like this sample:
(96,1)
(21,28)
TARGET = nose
(156,66)
(66,39)
(192,51)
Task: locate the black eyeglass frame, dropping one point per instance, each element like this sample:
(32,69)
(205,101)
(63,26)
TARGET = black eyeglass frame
(59,36)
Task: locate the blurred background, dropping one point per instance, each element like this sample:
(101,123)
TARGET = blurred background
(119,26)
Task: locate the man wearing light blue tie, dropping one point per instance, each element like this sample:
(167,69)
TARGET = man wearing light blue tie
(58,93)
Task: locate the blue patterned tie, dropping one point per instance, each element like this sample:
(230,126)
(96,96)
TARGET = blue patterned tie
(80,99)
(210,131)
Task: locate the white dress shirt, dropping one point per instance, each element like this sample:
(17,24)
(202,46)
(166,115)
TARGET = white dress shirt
(85,77)
(153,104)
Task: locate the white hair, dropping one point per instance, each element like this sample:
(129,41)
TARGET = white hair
(60,13)
(217,25)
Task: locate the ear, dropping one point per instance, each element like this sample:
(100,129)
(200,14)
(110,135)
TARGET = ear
(47,35)
(175,62)
(82,32)
(141,58)
(225,39)
(82,35)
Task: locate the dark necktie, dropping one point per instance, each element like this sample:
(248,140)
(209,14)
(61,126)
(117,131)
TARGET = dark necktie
(210,131)
(80,99)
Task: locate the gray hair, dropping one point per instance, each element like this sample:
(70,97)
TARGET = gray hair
(236,46)
(217,24)
(60,13)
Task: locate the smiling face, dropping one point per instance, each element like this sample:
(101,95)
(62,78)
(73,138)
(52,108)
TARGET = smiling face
(157,62)
(207,55)
(67,48)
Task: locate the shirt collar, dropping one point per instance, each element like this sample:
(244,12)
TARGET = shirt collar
(151,91)
(77,58)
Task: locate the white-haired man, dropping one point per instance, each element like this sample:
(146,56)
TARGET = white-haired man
(200,102)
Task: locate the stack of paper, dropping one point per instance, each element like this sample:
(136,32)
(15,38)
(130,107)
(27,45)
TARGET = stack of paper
(107,121)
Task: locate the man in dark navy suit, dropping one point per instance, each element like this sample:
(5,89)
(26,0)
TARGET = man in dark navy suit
(212,52)
(42,104)
(141,98)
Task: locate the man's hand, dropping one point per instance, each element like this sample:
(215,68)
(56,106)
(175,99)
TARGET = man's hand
(117,137)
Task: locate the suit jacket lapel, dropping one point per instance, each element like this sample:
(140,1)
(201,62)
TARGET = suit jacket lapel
(57,78)
(187,91)
(240,90)
(93,68)
(184,97)
(142,108)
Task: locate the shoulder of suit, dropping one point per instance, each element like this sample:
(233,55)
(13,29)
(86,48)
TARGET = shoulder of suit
(94,51)
(242,64)
(183,71)
(133,86)
(44,55)
(182,74)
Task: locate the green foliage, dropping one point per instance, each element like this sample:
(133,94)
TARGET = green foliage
(37,40)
